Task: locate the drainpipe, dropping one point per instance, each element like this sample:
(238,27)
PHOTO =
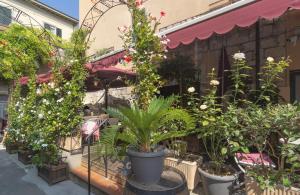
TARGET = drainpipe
(257,54)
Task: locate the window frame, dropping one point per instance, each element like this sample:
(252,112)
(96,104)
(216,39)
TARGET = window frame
(58,31)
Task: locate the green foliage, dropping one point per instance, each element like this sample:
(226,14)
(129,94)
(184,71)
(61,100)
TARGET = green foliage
(107,145)
(144,129)
(59,103)
(145,50)
(282,122)
(241,124)
(44,113)
(22,52)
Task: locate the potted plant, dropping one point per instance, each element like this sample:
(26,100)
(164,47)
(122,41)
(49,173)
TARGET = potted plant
(143,134)
(185,162)
(277,138)
(50,164)
(219,129)
(11,141)
(216,129)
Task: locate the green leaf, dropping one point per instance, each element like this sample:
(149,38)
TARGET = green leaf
(205,123)
(286,182)
(224,151)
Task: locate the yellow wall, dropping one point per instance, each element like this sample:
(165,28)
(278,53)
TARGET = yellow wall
(106,34)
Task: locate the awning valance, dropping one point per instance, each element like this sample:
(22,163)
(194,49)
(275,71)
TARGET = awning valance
(41,78)
(243,17)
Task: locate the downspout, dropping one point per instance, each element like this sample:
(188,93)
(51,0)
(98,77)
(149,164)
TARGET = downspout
(257,54)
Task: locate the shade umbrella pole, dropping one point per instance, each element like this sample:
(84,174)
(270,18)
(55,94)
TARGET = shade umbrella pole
(106,95)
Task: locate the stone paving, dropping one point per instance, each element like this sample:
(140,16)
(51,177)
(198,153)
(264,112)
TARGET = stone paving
(17,179)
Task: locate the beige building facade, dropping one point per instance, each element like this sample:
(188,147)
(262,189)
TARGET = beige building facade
(106,34)
(279,37)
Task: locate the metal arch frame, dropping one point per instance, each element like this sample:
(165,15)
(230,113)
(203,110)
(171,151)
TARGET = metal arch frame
(94,14)
(26,20)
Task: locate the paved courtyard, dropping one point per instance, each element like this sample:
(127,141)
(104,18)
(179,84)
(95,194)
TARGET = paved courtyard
(17,179)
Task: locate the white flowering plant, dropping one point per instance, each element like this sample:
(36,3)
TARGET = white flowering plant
(224,123)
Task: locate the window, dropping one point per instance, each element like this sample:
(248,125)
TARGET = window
(53,29)
(295,86)
(5,16)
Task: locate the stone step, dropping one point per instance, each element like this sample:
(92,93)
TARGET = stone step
(99,184)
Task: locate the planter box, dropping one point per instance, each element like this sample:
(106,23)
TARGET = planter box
(25,156)
(12,149)
(252,188)
(53,173)
(72,144)
(188,168)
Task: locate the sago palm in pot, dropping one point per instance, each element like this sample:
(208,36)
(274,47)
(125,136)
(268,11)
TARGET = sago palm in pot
(144,129)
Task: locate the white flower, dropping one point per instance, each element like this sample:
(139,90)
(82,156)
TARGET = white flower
(270,59)
(18,103)
(165,57)
(41,116)
(119,78)
(38,91)
(45,101)
(69,93)
(51,84)
(44,145)
(214,83)
(239,56)
(57,89)
(191,89)
(49,112)
(203,107)
(60,100)
(67,83)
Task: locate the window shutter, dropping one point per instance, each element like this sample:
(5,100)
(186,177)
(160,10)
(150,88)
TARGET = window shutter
(58,32)
(5,16)
(47,26)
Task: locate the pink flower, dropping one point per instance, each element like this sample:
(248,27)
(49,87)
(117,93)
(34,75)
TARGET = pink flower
(123,29)
(162,13)
(138,3)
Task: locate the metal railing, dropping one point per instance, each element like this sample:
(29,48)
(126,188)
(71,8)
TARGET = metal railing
(101,123)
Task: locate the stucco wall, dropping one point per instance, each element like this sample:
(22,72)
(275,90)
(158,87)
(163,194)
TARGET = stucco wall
(42,16)
(276,41)
(106,35)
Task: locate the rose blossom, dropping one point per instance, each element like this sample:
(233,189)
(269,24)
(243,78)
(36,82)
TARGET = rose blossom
(41,116)
(270,59)
(214,83)
(203,107)
(239,56)
(191,89)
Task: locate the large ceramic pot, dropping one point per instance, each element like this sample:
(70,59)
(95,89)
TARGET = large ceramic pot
(217,185)
(147,167)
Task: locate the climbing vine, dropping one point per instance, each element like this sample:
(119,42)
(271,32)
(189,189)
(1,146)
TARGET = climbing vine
(145,49)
